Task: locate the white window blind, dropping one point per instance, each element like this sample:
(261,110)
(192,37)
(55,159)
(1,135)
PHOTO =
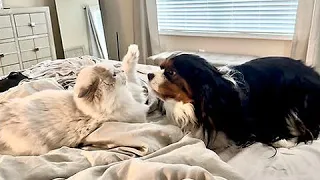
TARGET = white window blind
(227,16)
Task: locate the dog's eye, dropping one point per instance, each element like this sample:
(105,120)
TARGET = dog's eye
(171,73)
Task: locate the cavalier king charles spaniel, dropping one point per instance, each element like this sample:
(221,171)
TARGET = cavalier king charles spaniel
(272,100)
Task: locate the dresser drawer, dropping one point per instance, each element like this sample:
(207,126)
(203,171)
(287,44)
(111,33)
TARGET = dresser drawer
(5,21)
(36,48)
(41,42)
(31,44)
(26,45)
(29,31)
(22,19)
(9,59)
(24,31)
(40,29)
(31,55)
(43,52)
(28,55)
(28,19)
(7,48)
(29,64)
(27,50)
(31,24)
(23,24)
(8,52)
(8,69)
(38,18)
(6,33)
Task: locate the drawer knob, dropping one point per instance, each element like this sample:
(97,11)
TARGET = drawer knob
(36,49)
(32,24)
(1,55)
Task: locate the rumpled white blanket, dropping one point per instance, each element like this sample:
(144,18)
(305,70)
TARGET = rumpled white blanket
(117,150)
(298,163)
(150,150)
(64,71)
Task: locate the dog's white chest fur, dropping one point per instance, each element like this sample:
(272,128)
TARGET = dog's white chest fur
(181,113)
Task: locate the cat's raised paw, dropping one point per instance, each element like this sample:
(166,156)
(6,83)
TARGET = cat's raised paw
(133,51)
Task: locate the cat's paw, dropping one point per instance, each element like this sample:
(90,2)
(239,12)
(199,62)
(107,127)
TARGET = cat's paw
(132,55)
(133,49)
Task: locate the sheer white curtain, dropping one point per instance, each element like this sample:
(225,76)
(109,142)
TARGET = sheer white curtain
(306,41)
(97,40)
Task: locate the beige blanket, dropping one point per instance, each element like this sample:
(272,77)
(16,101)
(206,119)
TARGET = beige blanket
(119,151)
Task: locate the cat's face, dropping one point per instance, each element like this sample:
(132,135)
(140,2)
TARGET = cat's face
(98,81)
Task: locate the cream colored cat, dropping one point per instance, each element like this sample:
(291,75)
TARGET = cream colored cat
(51,119)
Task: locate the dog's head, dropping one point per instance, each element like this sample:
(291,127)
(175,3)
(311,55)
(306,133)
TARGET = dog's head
(182,76)
(193,83)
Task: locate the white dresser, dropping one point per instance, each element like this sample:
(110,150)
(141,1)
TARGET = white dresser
(26,38)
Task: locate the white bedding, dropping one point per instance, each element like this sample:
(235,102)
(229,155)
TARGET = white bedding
(150,150)
(118,151)
(299,163)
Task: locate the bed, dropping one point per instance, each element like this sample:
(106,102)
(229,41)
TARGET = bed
(154,150)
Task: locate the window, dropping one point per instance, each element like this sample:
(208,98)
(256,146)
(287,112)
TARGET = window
(268,17)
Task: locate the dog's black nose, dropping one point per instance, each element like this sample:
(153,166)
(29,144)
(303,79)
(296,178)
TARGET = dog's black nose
(150,76)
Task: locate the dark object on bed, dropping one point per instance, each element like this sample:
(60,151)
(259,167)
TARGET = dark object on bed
(12,80)
(264,100)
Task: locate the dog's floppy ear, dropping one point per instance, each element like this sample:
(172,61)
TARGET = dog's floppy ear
(89,91)
(16,76)
(220,106)
(205,110)
(207,106)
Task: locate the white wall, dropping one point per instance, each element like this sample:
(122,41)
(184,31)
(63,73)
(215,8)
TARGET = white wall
(257,47)
(53,14)
(73,22)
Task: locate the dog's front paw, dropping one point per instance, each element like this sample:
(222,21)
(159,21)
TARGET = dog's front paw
(132,55)
(285,144)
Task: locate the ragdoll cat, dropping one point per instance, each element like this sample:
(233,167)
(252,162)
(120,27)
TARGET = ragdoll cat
(50,119)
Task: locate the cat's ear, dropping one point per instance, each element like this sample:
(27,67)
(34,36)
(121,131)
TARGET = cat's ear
(89,90)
